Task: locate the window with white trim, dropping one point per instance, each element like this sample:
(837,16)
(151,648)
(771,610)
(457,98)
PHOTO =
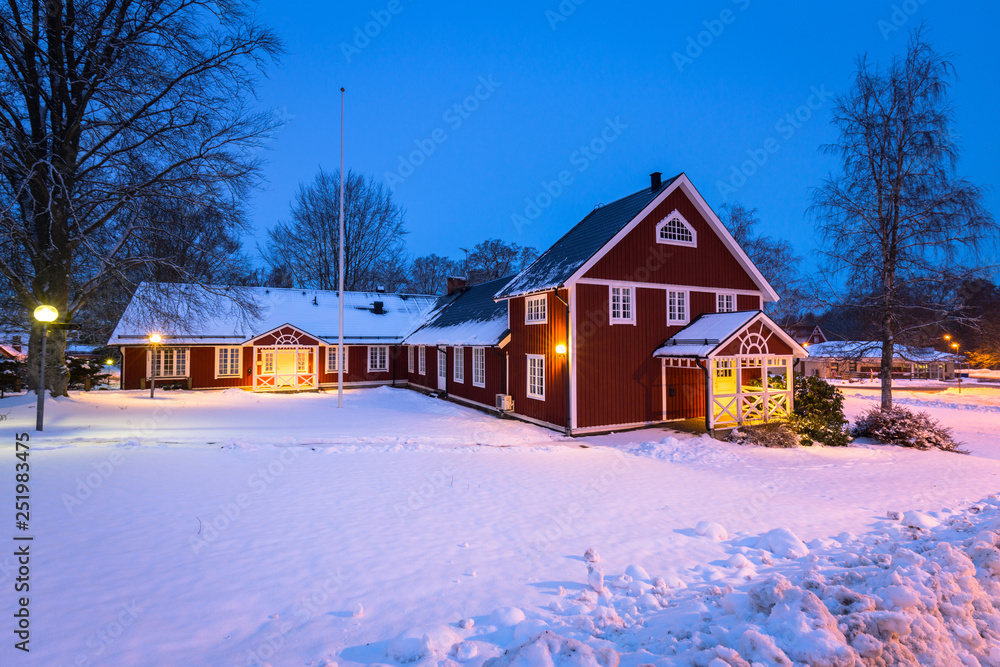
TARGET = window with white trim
(535,310)
(622,305)
(422,361)
(301,361)
(479,367)
(725,303)
(409,358)
(442,363)
(170,362)
(267,357)
(227,361)
(378,358)
(331,359)
(459,370)
(675,230)
(536,376)
(677,307)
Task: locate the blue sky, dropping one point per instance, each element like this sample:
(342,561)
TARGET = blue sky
(605,91)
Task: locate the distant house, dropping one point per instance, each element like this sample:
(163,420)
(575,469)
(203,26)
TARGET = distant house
(863,359)
(646,311)
(806,334)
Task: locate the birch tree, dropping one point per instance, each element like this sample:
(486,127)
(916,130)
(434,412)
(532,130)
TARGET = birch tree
(110,109)
(897,220)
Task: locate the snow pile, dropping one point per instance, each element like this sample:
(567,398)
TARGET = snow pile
(704,451)
(916,591)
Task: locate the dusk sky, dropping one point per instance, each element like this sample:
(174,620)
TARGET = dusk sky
(695,87)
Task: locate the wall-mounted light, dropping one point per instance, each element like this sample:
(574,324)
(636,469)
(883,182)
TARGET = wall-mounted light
(561,348)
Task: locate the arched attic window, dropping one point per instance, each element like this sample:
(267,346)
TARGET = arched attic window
(675,230)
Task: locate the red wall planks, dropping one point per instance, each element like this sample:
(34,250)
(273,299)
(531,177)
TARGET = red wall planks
(539,339)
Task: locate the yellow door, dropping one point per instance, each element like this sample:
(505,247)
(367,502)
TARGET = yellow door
(284,368)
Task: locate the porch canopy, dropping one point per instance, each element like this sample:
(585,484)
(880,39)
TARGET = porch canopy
(747,362)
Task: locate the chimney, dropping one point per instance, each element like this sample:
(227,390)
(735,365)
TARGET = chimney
(380,289)
(456,284)
(655,181)
(378,308)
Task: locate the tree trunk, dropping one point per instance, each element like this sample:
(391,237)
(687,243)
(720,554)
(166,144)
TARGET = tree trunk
(885,373)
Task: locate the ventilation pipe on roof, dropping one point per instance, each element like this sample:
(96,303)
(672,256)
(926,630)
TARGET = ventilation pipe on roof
(380,289)
(378,308)
(655,181)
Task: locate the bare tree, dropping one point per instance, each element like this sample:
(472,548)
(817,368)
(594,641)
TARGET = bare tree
(897,220)
(494,259)
(776,260)
(107,110)
(308,245)
(429,274)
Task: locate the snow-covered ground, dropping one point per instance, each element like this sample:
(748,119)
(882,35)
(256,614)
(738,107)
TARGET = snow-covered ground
(225,528)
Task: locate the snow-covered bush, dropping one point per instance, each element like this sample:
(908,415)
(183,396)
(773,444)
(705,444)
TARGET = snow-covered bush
(905,428)
(12,374)
(819,413)
(770,434)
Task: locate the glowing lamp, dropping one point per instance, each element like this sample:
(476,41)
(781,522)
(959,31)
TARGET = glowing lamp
(46,314)
(560,349)
(109,362)
(155,338)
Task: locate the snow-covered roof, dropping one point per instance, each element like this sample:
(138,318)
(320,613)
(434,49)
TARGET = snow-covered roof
(856,349)
(470,318)
(190,314)
(587,237)
(701,337)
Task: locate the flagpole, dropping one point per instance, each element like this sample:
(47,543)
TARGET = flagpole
(340,264)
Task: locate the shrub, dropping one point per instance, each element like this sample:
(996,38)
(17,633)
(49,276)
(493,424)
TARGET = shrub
(80,369)
(13,373)
(770,434)
(819,413)
(904,428)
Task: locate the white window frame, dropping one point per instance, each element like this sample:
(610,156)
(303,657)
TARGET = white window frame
(683,300)
(530,393)
(458,365)
(719,296)
(542,301)
(301,360)
(382,353)
(624,289)
(226,369)
(331,356)
(676,215)
(156,359)
(422,360)
(442,363)
(409,358)
(267,362)
(479,369)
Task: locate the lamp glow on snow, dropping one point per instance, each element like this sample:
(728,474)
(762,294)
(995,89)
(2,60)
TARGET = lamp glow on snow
(45,315)
(561,348)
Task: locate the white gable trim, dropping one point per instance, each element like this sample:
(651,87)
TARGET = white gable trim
(676,215)
(706,211)
(797,350)
(250,340)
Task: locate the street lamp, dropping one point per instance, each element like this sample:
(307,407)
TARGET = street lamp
(954,346)
(154,340)
(43,314)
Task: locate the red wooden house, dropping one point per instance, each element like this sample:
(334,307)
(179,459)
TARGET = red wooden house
(646,311)
(289,345)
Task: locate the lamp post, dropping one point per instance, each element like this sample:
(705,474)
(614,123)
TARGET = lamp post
(955,346)
(43,314)
(154,340)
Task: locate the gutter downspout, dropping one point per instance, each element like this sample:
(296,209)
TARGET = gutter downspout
(569,403)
